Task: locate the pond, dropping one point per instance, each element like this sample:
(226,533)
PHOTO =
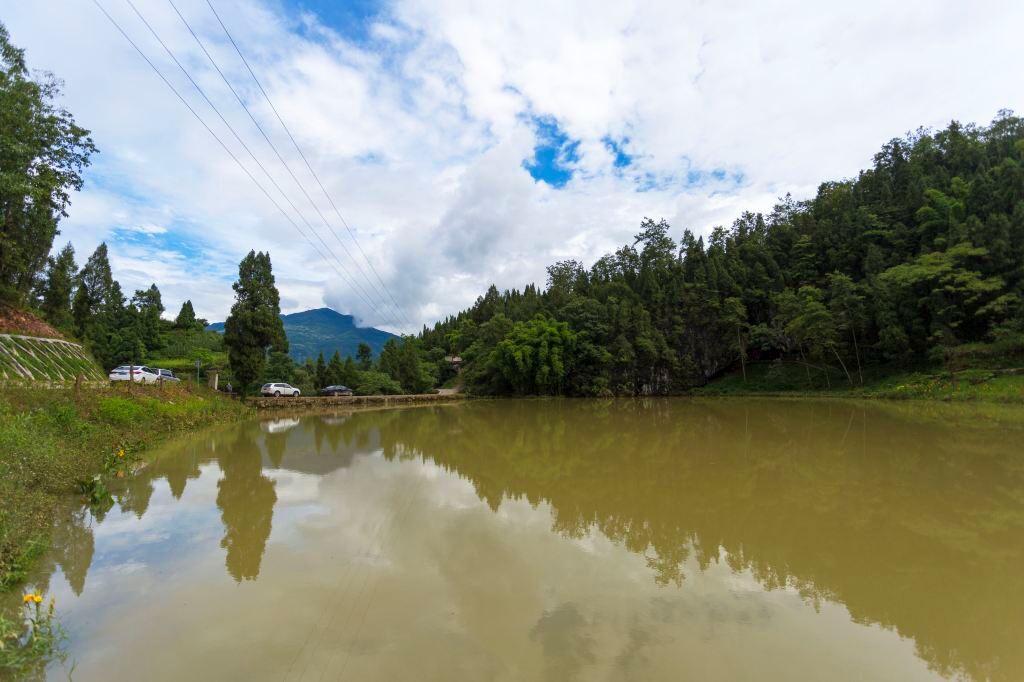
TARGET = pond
(557,540)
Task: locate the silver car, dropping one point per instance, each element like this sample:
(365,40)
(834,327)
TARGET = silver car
(278,390)
(137,373)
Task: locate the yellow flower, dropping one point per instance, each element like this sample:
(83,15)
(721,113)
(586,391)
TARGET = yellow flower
(32,597)
(37,598)
(27,598)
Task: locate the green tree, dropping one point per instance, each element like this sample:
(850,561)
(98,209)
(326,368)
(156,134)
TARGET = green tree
(848,310)
(376,383)
(364,355)
(57,288)
(349,373)
(320,377)
(735,314)
(335,370)
(186,318)
(42,154)
(254,326)
(536,356)
(811,326)
(148,306)
(94,291)
(389,360)
(280,368)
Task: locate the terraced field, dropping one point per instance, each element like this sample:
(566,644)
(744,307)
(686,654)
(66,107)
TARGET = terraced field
(29,359)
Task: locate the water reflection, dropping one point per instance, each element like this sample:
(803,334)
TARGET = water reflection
(910,518)
(246,500)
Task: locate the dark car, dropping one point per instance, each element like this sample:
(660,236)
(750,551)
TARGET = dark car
(336,390)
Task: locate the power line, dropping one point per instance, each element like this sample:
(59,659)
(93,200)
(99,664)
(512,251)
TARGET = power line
(208,129)
(305,160)
(280,158)
(361,291)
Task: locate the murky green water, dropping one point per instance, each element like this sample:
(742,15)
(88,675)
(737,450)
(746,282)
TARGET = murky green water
(558,540)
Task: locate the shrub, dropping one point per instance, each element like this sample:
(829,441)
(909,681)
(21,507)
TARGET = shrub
(119,410)
(377,383)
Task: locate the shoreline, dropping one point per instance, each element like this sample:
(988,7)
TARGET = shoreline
(313,403)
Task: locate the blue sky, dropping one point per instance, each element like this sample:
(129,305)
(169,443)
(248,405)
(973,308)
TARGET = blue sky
(466,144)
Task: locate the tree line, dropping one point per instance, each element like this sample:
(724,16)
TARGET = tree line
(917,260)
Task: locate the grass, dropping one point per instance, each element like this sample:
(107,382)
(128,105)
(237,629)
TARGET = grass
(45,361)
(920,383)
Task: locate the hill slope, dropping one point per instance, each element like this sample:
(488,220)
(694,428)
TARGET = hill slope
(323,330)
(32,351)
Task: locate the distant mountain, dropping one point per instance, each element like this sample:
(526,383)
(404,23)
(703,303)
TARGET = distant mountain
(323,330)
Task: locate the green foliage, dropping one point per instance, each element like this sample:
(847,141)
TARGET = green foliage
(535,357)
(57,288)
(335,371)
(119,411)
(186,318)
(320,378)
(921,255)
(42,155)
(254,326)
(349,373)
(280,368)
(364,356)
(375,383)
(31,640)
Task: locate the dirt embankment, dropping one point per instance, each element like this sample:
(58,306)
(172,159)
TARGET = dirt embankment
(15,321)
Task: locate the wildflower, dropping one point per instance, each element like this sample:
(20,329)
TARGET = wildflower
(37,598)
(120,453)
(32,597)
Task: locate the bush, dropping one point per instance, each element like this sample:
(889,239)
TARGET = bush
(119,410)
(377,383)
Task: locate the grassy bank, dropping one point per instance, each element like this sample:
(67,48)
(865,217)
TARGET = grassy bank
(923,383)
(54,444)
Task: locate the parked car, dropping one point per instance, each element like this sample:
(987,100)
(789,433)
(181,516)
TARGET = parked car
(138,373)
(278,390)
(336,390)
(167,375)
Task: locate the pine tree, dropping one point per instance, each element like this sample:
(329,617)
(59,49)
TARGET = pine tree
(349,373)
(186,318)
(148,306)
(364,355)
(57,288)
(254,325)
(320,377)
(335,370)
(95,290)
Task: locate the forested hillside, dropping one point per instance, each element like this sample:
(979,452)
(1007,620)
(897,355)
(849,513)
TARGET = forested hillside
(919,260)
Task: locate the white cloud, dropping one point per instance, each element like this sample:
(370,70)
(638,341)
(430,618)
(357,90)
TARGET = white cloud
(419,128)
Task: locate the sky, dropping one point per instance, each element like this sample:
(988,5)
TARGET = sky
(471,143)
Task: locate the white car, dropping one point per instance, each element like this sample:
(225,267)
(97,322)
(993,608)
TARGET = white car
(167,375)
(138,373)
(278,390)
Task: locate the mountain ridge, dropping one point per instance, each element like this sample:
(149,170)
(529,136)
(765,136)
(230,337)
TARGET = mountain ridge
(324,330)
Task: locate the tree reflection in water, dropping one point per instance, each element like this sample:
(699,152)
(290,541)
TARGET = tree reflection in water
(910,516)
